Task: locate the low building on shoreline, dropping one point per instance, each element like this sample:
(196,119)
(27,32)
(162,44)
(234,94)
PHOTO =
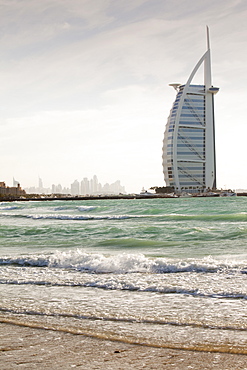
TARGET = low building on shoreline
(15,191)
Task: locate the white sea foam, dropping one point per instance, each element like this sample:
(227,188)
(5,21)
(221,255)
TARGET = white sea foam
(79,208)
(33,260)
(100,263)
(86,208)
(75,217)
(67,217)
(125,263)
(179,284)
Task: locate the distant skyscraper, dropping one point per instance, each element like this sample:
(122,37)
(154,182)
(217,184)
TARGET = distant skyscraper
(189,140)
(85,186)
(40,187)
(75,188)
(95,184)
(15,182)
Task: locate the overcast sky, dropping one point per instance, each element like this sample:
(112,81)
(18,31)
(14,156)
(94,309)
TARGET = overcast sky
(84,86)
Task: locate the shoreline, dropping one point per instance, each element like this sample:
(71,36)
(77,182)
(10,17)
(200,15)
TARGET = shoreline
(102,197)
(34,348)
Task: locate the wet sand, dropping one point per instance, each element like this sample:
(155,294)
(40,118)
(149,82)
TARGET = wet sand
(30,348)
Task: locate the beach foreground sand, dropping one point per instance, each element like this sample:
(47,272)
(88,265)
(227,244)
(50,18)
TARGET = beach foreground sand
(30,348)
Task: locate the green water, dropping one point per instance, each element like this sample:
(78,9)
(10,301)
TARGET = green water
(165,272)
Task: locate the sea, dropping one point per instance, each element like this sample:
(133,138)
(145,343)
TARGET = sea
(168,273)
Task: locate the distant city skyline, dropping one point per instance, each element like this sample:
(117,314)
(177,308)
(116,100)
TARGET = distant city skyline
(84,187)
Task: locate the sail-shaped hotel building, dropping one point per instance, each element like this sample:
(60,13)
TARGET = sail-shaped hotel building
(189,139)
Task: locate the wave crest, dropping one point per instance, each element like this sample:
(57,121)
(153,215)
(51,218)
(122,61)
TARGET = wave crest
(124,263)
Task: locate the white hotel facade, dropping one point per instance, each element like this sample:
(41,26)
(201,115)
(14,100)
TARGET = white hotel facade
(189,139)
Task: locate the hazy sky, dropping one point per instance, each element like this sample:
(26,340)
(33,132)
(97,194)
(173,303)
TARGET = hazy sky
(84,86)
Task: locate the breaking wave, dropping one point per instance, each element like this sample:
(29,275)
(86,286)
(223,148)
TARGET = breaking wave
(69,217)
(124,263)
(8,208)
(79,208)
(173,217)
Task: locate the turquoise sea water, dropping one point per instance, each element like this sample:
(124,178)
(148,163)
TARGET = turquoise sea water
(163,272)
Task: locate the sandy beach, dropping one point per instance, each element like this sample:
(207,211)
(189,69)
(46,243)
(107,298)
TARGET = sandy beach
(32,348)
